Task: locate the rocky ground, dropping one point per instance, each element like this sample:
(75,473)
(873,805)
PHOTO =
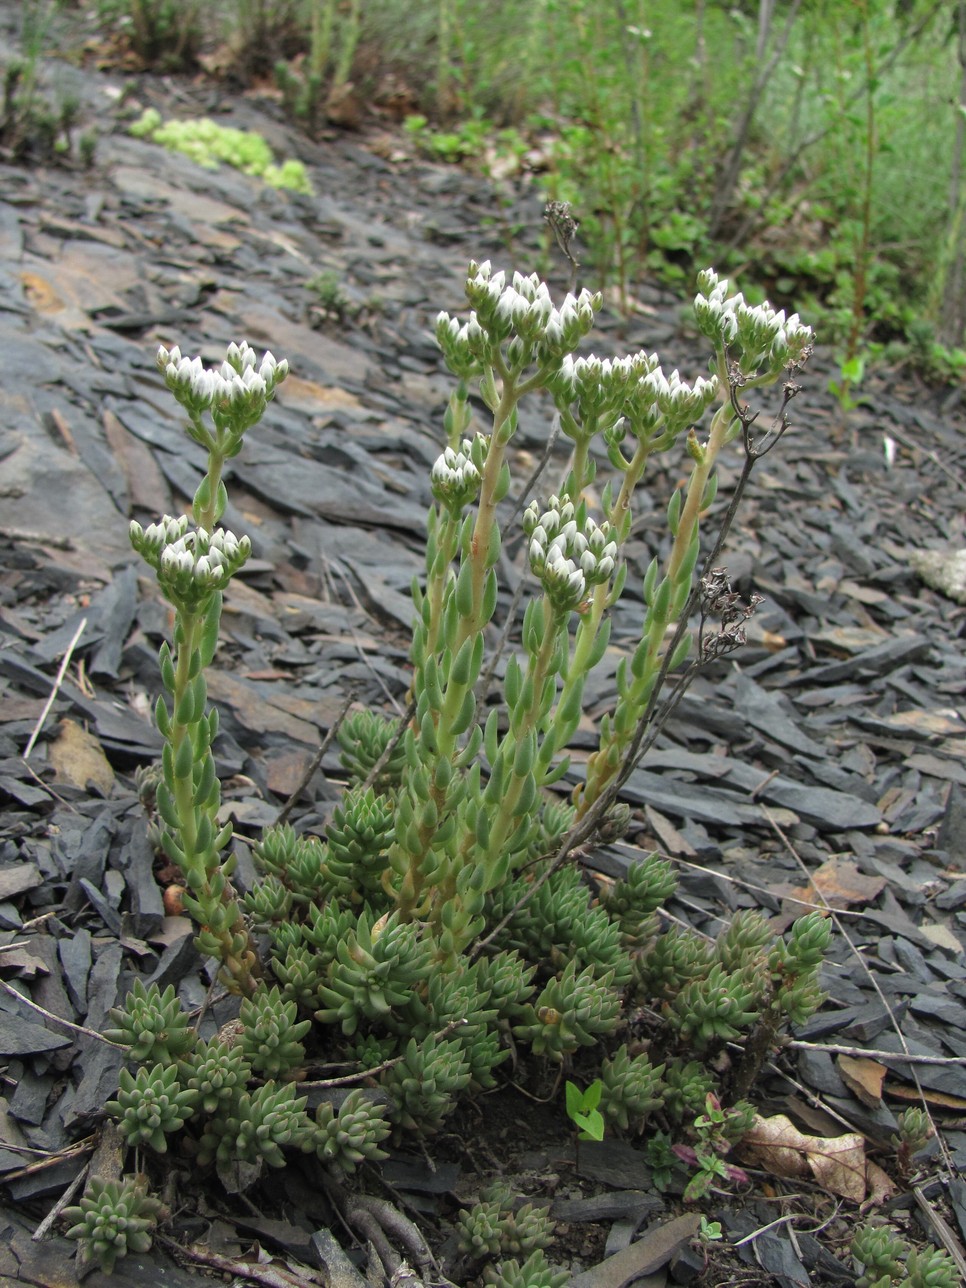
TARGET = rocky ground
(825,763)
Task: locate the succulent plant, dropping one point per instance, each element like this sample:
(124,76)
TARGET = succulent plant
(525,1229)
(300,972)
(555,820)
(363,736)
(673,959)
(368,1051)
(376,968)
(271,1035)
(450,995)
(794,963)
(112,1219)
(508,981)
(712,1009)
(267,903)
(534,1273)
(573,1010)
(350,1134)
(633,900)
(357,839)
(478,1228)
(880,1251)
(296,861)
(632,1087)
(424,1084)
(559,924)
(744,941)
(255,1127)
(215,1073)
(150,1105)
(931,1268)
(686,1088)
(324,929)
(495,1226)
(151,1024)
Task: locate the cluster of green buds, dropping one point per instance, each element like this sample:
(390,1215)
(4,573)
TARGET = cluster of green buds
(151,1024)
(349,1134)
(151,1105)
(762,336)
(568,556)
(519,311)
(112,1219)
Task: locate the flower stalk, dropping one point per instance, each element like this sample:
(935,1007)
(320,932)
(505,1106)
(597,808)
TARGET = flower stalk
(193,563)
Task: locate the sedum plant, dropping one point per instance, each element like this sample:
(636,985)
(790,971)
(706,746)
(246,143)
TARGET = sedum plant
(887,1261)
(437,928)
(112,1219)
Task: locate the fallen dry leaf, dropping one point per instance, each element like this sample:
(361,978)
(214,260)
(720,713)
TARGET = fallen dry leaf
(78,758)
(863,1078)
(881,1186)
(837,1163)
(840,883)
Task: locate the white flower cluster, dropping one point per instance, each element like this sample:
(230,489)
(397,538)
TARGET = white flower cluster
(190,562)
(235,384)
(519,310)
(455,477)
(764,336)
(635,389)
(566,556)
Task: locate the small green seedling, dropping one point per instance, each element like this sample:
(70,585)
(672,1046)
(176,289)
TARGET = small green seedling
(583,1112)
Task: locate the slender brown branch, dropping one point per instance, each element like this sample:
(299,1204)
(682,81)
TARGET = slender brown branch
(316,760)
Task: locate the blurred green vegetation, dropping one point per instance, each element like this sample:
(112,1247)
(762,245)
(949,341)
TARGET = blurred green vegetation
(813,145)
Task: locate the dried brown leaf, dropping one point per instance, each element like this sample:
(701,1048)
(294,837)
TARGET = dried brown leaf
(78,758)
(837,1163)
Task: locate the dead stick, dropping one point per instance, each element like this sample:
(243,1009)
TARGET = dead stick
(316,760)
(67,1024)
(56,689)
(47,1223)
